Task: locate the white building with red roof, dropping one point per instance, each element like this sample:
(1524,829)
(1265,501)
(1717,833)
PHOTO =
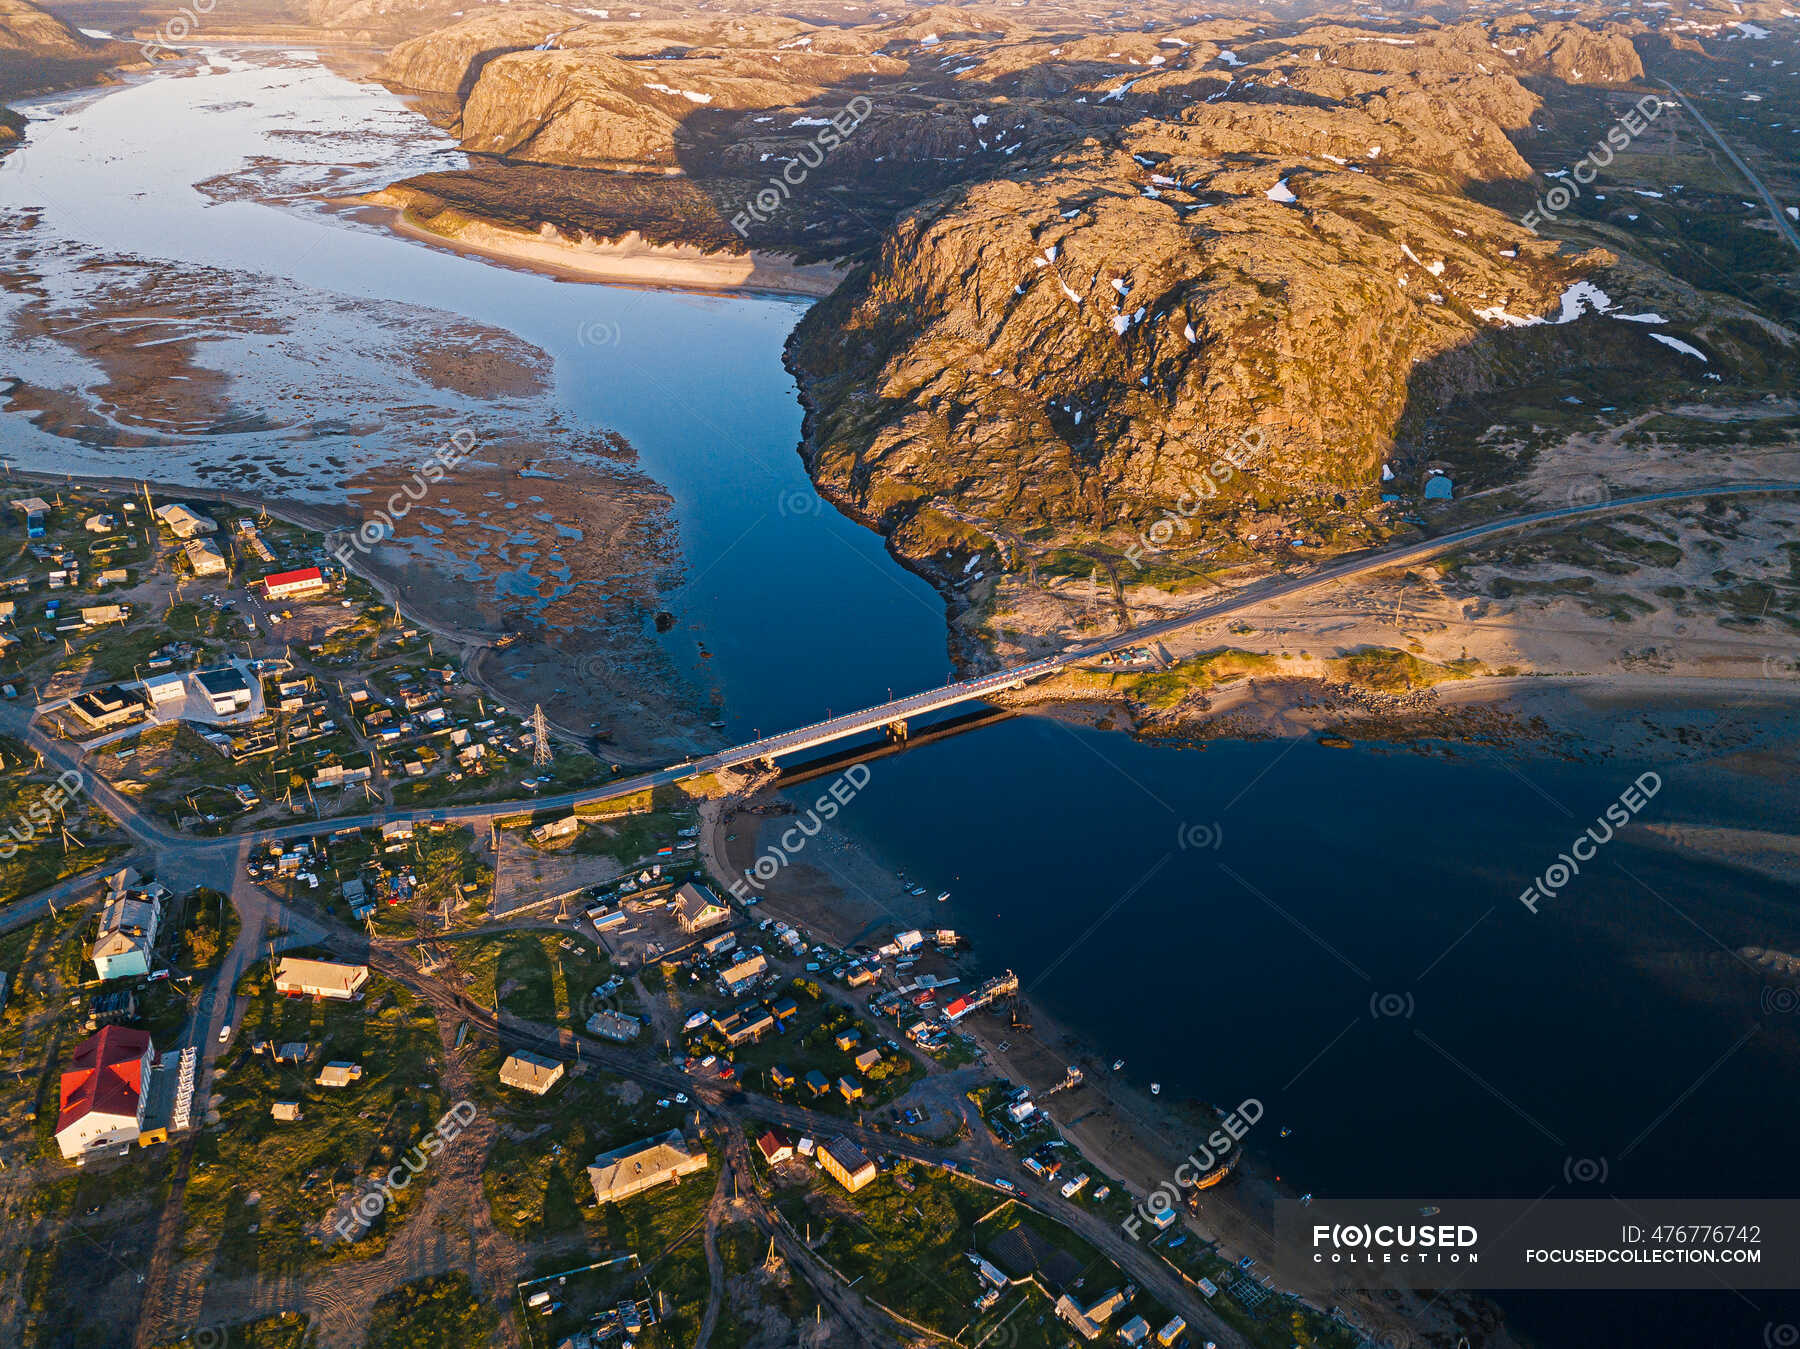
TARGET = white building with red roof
(103,1091)
(286,584)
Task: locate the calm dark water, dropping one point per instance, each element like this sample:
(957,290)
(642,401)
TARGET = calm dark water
(1353,954)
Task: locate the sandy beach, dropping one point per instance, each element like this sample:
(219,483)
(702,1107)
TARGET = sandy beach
(630,261)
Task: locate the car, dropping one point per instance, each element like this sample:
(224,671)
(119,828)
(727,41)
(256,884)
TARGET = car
(1007,1185)
(156,975)
(225,1033)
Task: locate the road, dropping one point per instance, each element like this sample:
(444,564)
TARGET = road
(156,835)
(183,862)
(1782,224)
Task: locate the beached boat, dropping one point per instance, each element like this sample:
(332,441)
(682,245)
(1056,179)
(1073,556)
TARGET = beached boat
(697,1020)
(945,895)
(1156,1089)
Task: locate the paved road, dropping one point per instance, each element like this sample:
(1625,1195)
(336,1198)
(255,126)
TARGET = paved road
(156,835)
(1782,223)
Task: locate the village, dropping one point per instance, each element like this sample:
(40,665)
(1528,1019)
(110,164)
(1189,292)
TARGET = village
(558,1010)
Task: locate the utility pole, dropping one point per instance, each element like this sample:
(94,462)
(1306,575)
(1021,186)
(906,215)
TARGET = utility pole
(541,753)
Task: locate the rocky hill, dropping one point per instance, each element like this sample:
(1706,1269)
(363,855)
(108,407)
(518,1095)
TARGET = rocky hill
(26,29)
(1095,257)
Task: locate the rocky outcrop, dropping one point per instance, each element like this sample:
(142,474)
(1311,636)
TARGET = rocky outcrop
(1094,260)
(26,29)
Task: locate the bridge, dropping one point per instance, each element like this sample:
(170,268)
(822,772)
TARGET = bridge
(895,714)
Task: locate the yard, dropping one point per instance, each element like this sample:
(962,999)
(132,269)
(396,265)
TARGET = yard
(265,1190)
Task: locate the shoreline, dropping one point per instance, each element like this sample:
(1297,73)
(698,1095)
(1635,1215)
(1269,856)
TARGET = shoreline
(630,261)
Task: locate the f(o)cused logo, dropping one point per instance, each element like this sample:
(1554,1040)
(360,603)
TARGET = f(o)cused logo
(1782,1000)
(1386,1005)
(799,501)
(1781,1335)
(1200,837)
(1585,1170)
(1592,492)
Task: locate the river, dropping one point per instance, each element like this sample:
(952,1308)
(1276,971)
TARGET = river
(1341,935)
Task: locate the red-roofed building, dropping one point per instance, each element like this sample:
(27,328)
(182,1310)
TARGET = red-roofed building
(103,1091)
(776,1146)
(957,1010)
(284,584)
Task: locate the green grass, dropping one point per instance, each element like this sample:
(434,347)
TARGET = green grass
(299,1168)
(1388,671)
(530,976)
(903,1249)
(535,1177)
(438,1313)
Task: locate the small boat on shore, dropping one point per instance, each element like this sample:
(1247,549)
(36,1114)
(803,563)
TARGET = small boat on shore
(944,896)
(1156,1089)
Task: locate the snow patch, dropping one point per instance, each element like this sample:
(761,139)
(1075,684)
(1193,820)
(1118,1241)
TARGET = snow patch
(1678,345)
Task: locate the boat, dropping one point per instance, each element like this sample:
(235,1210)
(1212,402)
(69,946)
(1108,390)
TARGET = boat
(1118,1064)
(1156,1089)
(697,1020)
(944,896)
(1306,1200)
(716,725)
(1286,1131)
(917,890)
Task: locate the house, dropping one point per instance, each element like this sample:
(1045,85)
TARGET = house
(784,1009)
(817,1083)
(746,1025)
(166,688)
(204,557)
(697,908)
(396,831)
(36,512)
(286,1111)
(720,944)
(615,1025)
(340,1073)
(741,975)
(127,937)
(337,775)
(776,1146)
(846,1040)
(850,1089)
(184,522)
(846,1163)
(781,1078)
(225,688)
(867,1060)
(100,524)
(103,709)
(531,1072)
(293,1051)
(102,1096)
(114,576)
(859,976)
(642,1166)
(96,614)
(1171,1332)
(298,978)
(289,584)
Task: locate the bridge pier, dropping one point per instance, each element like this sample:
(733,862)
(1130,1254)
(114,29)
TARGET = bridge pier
(897,732)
